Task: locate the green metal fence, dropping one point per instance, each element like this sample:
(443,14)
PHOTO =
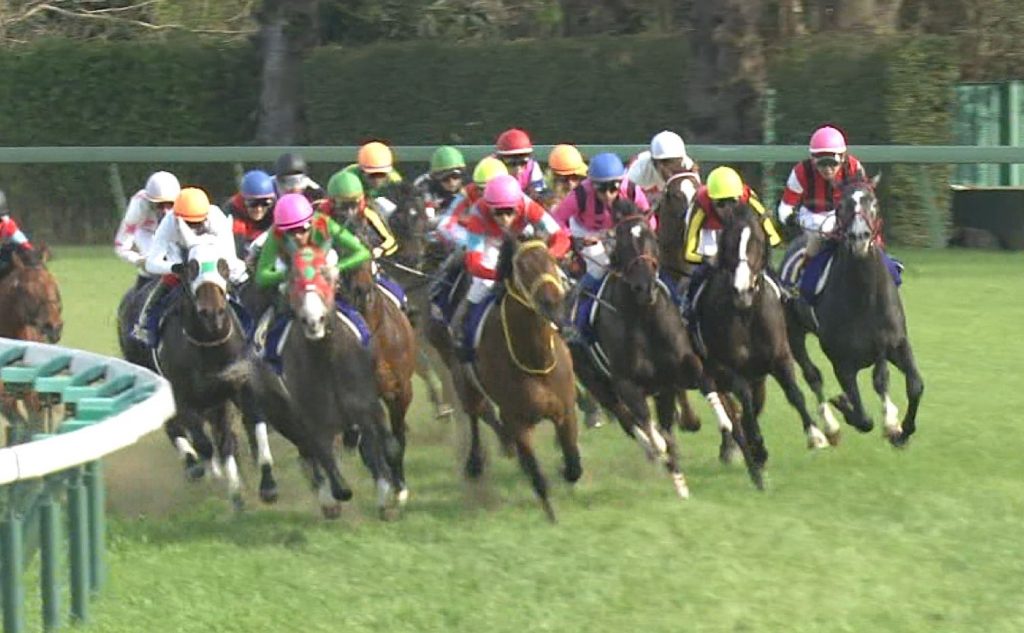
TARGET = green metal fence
(81,407)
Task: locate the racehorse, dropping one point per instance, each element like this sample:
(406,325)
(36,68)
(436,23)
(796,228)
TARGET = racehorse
(200,338)
(672,210)
(859,318)
(394,349)
(30,298)
(523,366)
(643,345)
(326,387)
(741,323)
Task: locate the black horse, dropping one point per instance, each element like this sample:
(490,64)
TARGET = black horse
(859,318)
(201,338)
(643,345)
(741,323)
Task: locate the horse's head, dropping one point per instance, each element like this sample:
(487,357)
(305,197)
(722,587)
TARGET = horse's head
(857,218)
(532,276)
(311,290)
(358,284)
(206,278)
(743,251)
(39,303)
(635,257)
(409,221)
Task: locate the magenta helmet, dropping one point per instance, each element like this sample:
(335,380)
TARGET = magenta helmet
(827,140)
(503,192)
(292,210)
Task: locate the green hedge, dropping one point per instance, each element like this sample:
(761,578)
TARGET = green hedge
(116,93)
(880,90)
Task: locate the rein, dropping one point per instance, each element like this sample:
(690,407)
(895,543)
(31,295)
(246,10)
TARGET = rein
(516,291)
(199,343)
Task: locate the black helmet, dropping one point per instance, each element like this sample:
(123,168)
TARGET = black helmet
(3,203)
(289,164)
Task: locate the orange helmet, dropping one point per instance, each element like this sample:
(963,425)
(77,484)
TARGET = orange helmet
(192,205)
(375,157)
(565,160)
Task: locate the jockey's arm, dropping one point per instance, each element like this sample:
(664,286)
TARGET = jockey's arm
(774,239)
(694,229)
(474,258)
(10,232)
(161,256)
(388,244)
(351,249)
(559,240)
(268,274)
(124,240)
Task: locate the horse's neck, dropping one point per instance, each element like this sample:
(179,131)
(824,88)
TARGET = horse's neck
(528,332)
(866,275)
(194,329)
(658,320)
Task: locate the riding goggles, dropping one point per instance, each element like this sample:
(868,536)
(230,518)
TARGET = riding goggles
(515,161)
(302,228)
(252,203)
(455,174)
(828,160)
(501,211)
(291,181)
(608,186)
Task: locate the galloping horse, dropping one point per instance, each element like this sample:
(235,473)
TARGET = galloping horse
(741,322)
(201,338)
(394,350)
(859,318)
(671,211)
(326,387)
(30,299)
(643,345)
(523,366)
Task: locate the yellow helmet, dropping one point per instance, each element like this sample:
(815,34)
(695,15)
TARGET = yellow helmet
(724,182)
(192,205)
(488,168)
(375,157)
(565,160)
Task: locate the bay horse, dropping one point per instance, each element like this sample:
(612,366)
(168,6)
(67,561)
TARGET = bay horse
(740,320)
(641,334)
(200,339)
(326,387)
(523,366)
(859,319)
(672,211)
(393,342)
(30,298)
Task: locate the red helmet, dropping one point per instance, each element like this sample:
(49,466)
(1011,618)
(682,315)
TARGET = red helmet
(514,141)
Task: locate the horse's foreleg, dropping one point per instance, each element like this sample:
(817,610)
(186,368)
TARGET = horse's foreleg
(688,419)
(567,431)
(665,403)
(849,403)
(644,430)
(903,358)
(377,448)
(749,436)
(812,376)
(786,377)
(528,462)
(397,409)
(180,429)
(725,413)
(475,459)
(259,444)
(890,412)
(227,443)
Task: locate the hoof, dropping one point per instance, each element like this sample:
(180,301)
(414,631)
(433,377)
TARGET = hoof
(690,426)
(835,437)
(680,484)
(332,511)
(345,494)
(350,439)
(729,454)
(389,513)
(549,511)
(757,477)
(444,411)
(474,467)
(900,440)
(816,439)
(268,494)
(194,471)
(572,474)
(403,496)
(237,503)
(593,419)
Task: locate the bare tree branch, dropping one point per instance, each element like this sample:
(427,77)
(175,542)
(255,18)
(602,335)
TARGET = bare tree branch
(103,15)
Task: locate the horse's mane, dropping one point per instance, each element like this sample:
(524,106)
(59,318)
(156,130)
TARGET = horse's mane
(399,192)
(509,246)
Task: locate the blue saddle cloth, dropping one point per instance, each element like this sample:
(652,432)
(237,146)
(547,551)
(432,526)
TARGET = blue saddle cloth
(393,288)
(159,311)
(276,331)
(816,267)
(471,325)
(590,291)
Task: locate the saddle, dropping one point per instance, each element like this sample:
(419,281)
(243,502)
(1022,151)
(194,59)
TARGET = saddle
(810,277)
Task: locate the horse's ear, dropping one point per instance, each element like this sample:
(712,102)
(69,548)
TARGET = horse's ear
(874,180)
(192,269)
(223,268)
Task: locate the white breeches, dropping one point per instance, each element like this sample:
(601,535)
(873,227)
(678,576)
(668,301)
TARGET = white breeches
(479,289)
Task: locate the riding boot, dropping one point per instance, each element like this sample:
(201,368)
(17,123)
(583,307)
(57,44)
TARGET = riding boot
(583,294)
(443,279)
(462,339)
(140,332)
(697,279)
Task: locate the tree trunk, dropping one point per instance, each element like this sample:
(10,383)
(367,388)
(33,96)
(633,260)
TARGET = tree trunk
(877,16)
(727,72)
(287,31)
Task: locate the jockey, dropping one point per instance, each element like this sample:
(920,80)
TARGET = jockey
(724,190)
(504,210)
(145,211)
(375,167)
(347,205)
(250,211)
(11,237)
(515,149)
(588,215)
(297,225)
(450,227)
(443,183)
(566,169)
(666,164)
(814,187)
(290,176)
(193,214)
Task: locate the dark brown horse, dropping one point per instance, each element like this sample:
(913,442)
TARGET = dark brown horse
(672,210)
(30,299)
(394,350)
(523,366)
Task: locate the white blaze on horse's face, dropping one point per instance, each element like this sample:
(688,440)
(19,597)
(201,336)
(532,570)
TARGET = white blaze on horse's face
(313,315)
(859,232)
(743,281)
(208,257)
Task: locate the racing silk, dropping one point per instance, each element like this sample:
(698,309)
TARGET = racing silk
(806,188)
(583,208)
(437,199)
(451,225)
(643,172)
(483,244)
(244,228)
(168,246)
(704,225)
(531,179)
(380,235)
(135,234)
(11,234)
(271,270)
(373,192)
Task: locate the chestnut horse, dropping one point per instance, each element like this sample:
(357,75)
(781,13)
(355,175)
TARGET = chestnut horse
(30,299)
(523,366)
(393,342)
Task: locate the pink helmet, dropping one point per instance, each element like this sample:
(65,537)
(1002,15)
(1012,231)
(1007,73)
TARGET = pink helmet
(292,210)
(503,192)
(827,140)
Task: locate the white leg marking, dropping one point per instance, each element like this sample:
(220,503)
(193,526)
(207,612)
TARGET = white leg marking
(383,493)
(645,443)
(657,439)
(829,418)
(815,438)
(403,496)
(679,481)
(263,445)
(185,448)
(323,494)
(724,423)
(234,482)
(892,415)
(215,468)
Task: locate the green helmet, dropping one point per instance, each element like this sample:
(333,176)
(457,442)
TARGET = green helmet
(446,158)
(345,185)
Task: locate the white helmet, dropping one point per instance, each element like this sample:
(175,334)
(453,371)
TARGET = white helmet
(666,144)
(162,186)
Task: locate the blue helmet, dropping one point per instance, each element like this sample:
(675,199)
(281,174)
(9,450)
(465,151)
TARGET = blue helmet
(257,184)
(606,166)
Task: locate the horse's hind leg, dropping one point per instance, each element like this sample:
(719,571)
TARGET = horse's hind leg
(786,377)
(890,413)
(259,444)
(227,443)
(644,430)
(567,432)
(849,403)
(812,376)
(475,460)
(750,435)
(665,402)
(179,429)
(528,462)
(903,358)
(688,419)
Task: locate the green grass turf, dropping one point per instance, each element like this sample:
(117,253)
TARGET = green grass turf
(858,538)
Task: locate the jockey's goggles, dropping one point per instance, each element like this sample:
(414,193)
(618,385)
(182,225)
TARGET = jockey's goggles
(258,202)
(828,160)
(571,178)
(503,211)
(377,175)
(164,205)
(608,186)
(302,228)
(515,161)
(454,174)
(291,181)
(721,203)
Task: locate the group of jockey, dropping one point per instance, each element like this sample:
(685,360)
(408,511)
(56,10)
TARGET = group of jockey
(571,204)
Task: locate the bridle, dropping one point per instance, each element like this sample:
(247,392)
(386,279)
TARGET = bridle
(526,297)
